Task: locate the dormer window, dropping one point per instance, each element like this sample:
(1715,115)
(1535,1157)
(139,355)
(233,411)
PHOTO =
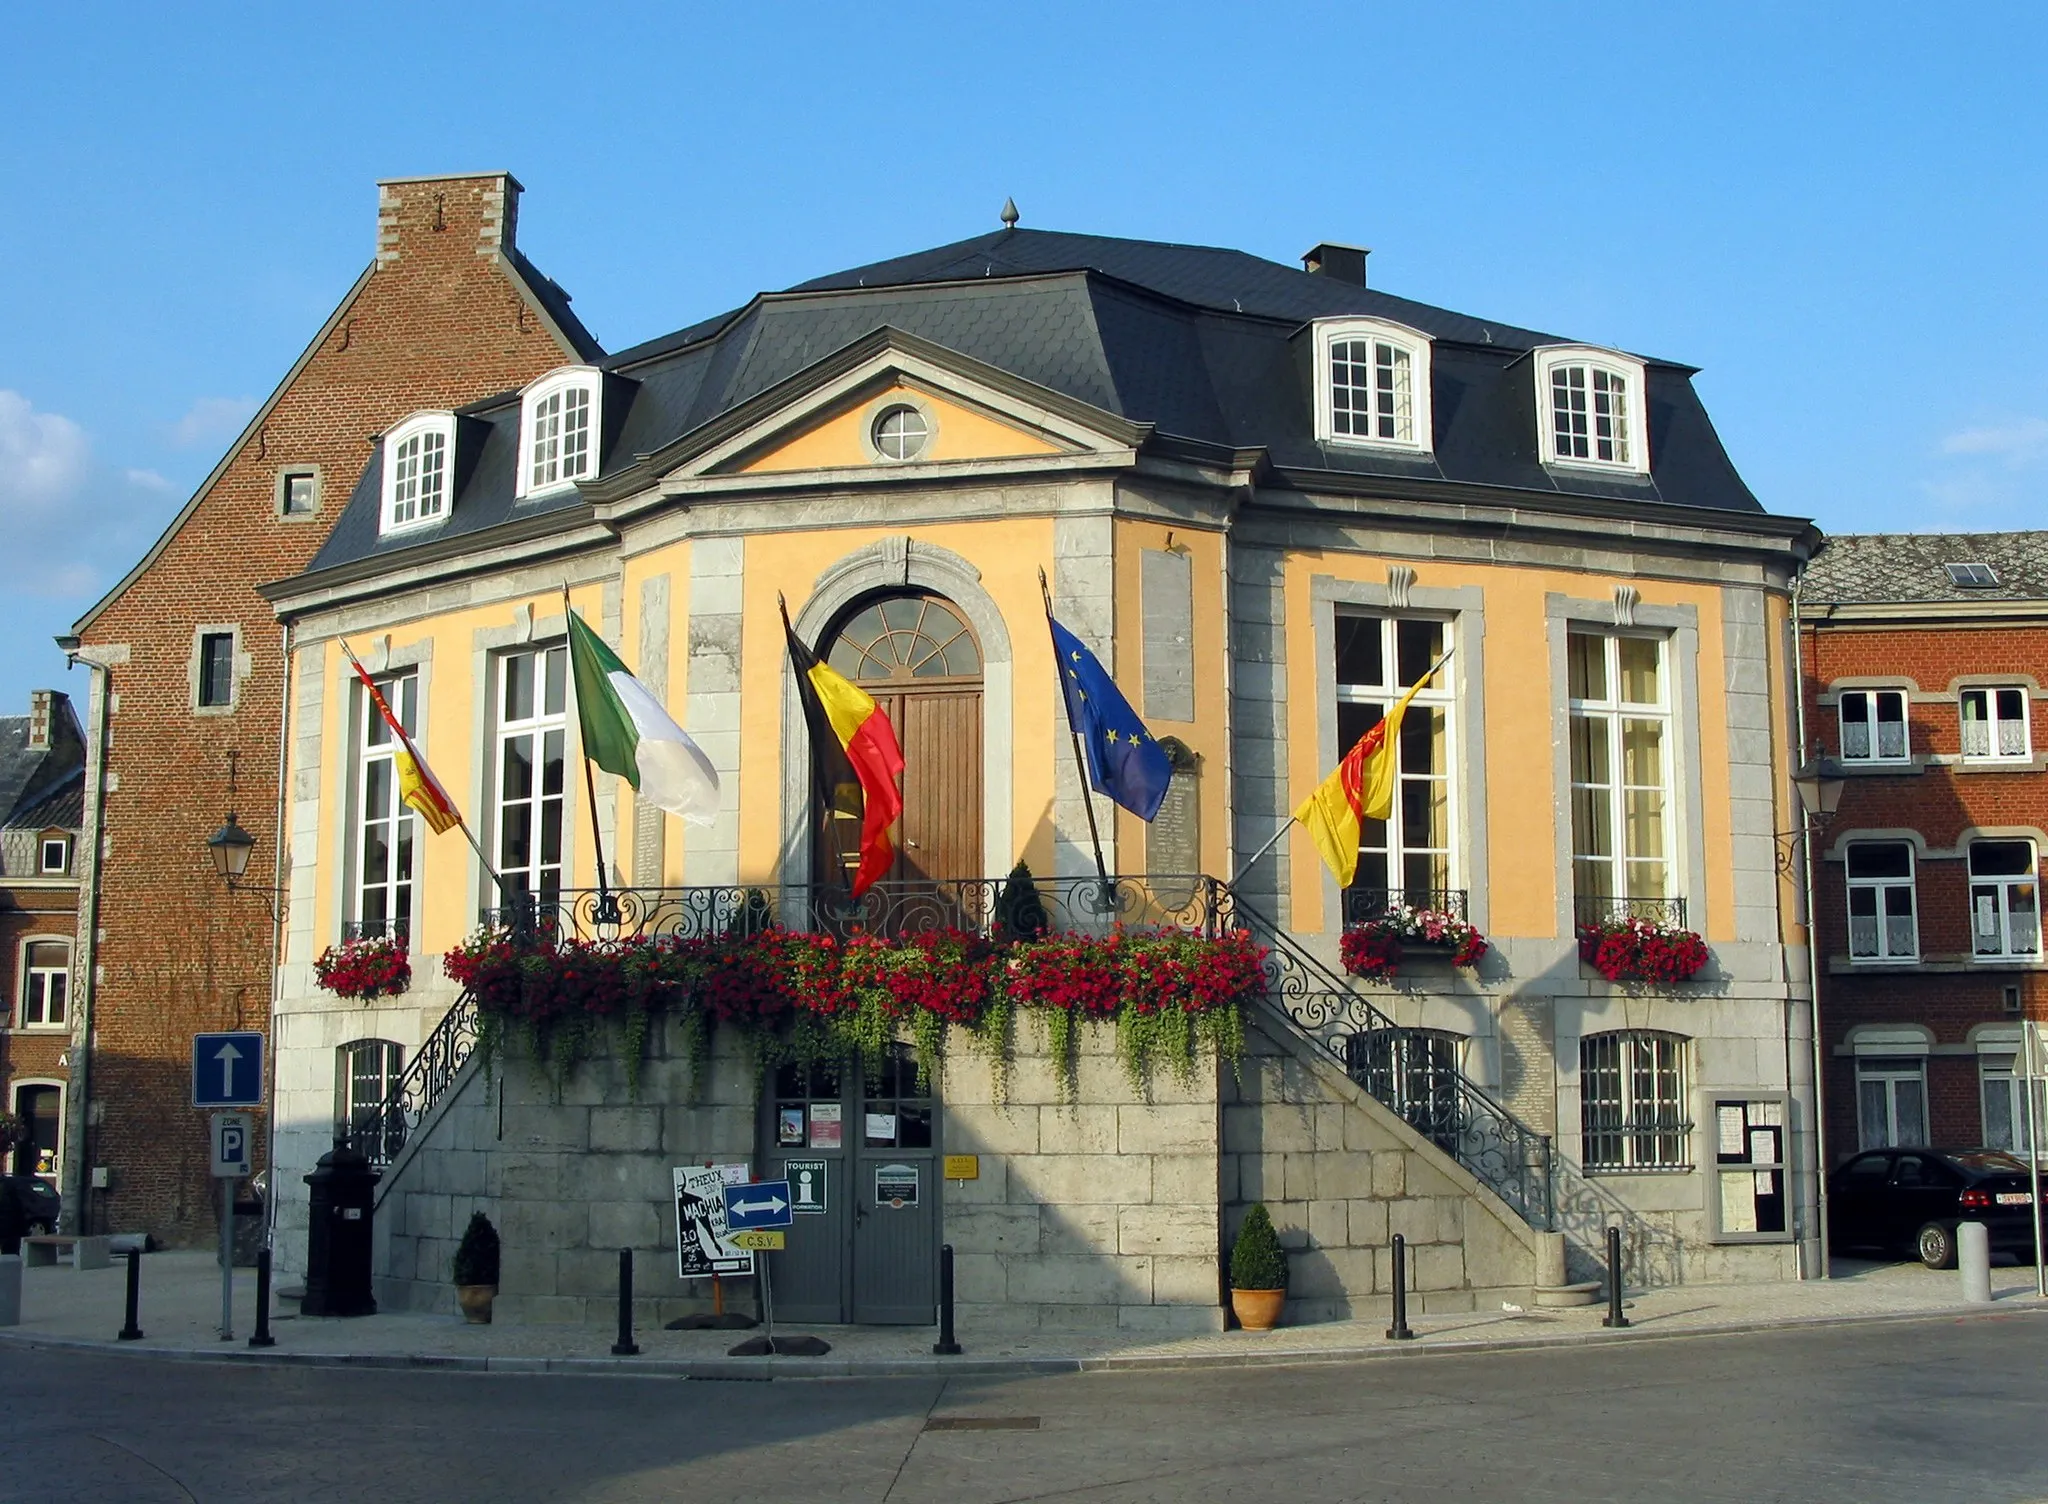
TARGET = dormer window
(1372,385)
(558,430)
(418,457)
(1591,407)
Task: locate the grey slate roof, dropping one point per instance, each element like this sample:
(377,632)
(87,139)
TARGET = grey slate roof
(1203,344)
(1897,568)
(42,787)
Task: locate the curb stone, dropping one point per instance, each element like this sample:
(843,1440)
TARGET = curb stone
(730,1369)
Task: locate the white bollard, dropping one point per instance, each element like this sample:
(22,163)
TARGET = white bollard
(1973,1258)
(10,1289)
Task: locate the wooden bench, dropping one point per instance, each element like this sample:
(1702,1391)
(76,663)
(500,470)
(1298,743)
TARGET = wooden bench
(56,1248)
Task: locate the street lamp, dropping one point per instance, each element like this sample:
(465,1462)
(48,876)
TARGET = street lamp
(1819,786)
(230,847)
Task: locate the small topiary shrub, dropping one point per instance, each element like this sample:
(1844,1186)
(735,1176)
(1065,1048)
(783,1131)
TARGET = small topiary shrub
(476,1256)
(1258,1262)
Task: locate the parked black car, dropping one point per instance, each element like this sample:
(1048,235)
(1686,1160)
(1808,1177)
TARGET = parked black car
(33,1199)
(1905,1202)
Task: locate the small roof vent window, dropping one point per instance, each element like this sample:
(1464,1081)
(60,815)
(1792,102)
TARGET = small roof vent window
(1973,576)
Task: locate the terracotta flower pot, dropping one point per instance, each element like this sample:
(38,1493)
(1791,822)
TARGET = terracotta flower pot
(1258,1310)
(475,1301)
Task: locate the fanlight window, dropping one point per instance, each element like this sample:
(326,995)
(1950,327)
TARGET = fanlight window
(906,637)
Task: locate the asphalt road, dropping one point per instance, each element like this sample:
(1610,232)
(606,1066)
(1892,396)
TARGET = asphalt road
(1912,1412)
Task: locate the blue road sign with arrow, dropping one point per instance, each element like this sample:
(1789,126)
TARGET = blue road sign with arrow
(227,1069)
(762,1204)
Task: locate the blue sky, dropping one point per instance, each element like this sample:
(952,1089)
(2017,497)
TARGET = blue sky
(1836,211)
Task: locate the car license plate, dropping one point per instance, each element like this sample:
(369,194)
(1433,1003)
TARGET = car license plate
(2015,1198)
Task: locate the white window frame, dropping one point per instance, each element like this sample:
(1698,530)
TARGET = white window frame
(1614,712)
(1896,1073)
(37,982)
(1993,907)
(376,753)
(1440,695)
(1654,1131)
(62,866)
(1871,698)
(1634,432)
(556,387)
(2000,1080)
(1998,746)
(1413,343)
(1881,891)
(531,878)
(424,427)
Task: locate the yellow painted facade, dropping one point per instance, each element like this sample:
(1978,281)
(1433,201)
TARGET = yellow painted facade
(841,438)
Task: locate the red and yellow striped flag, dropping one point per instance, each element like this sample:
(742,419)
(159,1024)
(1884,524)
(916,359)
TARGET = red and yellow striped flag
(855,753)
(1360,789)
(417,785)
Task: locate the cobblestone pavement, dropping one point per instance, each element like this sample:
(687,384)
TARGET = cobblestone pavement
(180,1313)
(1924,1411)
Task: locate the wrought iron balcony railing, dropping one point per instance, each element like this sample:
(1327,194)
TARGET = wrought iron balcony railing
(1605,910)
(1363,905)
(376,929)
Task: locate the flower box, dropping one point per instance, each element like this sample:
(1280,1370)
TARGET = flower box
(1641,950)
(365,969)
(1375,948)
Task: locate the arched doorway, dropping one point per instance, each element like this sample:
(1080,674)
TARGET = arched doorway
(915,653)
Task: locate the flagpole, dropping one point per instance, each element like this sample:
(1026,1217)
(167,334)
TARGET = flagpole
(1080,761)
(412,750)
(607,906)
(1251,861)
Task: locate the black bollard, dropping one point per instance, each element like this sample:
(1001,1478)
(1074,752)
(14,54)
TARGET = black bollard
(946,1347)
(131,1332)
(262,1337)
(1399,1331)
(1614,1316)
(625,1347)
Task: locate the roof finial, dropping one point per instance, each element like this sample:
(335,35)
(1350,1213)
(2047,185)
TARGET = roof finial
(1010,215)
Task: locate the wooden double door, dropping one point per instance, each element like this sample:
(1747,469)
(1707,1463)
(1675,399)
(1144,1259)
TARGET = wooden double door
(919,659)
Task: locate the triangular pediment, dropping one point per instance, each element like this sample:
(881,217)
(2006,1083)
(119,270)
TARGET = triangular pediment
(834,417)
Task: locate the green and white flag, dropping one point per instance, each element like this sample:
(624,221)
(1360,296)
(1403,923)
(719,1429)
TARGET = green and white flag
(625,731)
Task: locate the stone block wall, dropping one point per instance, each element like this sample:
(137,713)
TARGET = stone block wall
(1341,1174)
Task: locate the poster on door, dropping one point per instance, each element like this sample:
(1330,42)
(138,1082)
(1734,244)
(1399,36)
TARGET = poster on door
(702,1245)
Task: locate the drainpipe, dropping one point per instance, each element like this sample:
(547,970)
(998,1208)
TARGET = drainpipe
(277,923)
(1817,1137)
(74,1174)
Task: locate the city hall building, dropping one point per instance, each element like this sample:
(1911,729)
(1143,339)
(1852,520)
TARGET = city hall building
(1268,498)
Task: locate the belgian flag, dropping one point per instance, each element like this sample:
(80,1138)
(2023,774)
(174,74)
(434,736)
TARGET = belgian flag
(854,753)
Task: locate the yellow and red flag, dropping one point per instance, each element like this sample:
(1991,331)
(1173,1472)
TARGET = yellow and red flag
(417,785)
(855,753)
(1360,789)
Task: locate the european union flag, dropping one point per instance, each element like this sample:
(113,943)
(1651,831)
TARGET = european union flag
(1124,761)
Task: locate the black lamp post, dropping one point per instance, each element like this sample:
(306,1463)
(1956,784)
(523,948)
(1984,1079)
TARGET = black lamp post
(230,847)
(1819,786)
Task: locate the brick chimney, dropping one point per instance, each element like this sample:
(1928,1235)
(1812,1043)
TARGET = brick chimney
(39,720)
(434,216)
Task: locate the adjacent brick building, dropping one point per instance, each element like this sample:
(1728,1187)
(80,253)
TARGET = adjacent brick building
(189,668)
(1923,656)
(42,780)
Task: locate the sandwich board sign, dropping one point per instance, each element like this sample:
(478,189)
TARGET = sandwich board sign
(704,1246)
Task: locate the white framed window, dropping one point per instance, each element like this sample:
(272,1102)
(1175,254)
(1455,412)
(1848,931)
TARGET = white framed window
(1874,725)
(2002,1089)
(1883,924)
(1590,408)
(1409,857)
(558,425)
(1620,706)
(55,856)
(387,830)
(46,984)
(1632,1101)
(1372,385)
(366,1073)
(532,769)
(1995,724)
(2005,901)
(1891,1101)
(419,458)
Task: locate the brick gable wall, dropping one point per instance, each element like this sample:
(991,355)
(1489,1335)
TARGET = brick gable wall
(1950,994)
(438,321)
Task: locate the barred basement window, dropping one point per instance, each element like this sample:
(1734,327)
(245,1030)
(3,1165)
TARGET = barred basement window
(366,1073)
(1632,1102)
(1415,1073)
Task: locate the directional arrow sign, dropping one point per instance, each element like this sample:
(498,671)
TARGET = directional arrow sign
(227,1069)
(763,1204)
